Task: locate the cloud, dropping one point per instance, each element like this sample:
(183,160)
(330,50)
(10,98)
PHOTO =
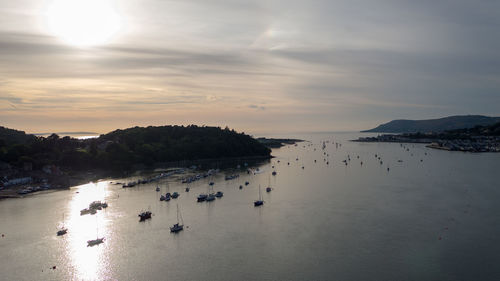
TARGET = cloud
(325,62)
(259,107)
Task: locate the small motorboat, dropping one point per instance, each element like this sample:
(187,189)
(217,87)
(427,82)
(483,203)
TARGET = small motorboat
(62,231)
(202,197)
(94,242)
(176,228)
(145,215)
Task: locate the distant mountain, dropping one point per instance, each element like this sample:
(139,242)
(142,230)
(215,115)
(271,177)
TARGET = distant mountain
(435,125)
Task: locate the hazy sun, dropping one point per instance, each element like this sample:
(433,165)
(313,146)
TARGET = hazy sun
(83,22)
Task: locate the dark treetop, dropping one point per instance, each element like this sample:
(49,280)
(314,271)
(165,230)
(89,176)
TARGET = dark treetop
(124,149)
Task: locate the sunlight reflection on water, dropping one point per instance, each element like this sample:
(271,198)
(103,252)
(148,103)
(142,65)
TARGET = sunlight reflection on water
(90,263)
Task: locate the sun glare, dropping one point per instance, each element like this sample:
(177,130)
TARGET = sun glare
(83,22)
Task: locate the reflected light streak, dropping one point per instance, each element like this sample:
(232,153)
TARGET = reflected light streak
(90,263)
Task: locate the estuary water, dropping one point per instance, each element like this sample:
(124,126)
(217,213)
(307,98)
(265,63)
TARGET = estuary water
(421,214)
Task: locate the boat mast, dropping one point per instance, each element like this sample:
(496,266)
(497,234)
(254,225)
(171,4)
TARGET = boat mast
(177,213)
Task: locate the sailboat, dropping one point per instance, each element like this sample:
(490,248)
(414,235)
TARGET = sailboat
(96,241)
(268,188)
(144,215)
(259,202)
(211,195)
(179,225)
(63,229)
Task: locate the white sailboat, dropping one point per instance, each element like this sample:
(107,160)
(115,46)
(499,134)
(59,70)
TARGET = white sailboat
(63,229)
(96,241)
(180,223)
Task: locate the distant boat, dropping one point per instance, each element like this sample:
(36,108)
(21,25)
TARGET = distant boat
(259,202)
(145,215)
(180,223)
(97,241)
(94,242)
(63,229)
(210,197)
(202,197)
(98,205)
(85,211)
(231,177)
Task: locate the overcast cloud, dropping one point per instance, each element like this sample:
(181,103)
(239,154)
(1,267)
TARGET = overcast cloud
(253,65)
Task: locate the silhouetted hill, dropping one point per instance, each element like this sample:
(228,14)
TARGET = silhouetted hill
(125,149)
(435,125)
(11,136)
(173,143)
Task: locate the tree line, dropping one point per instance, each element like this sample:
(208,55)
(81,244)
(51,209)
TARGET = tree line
(124,149)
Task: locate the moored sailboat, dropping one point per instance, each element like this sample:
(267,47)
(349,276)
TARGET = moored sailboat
(259,202)
(97,241)
(180,223)
(63,229)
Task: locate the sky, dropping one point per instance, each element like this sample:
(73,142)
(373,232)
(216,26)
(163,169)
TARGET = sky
(262,67)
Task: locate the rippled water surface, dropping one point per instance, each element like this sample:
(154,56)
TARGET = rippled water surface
(434,215)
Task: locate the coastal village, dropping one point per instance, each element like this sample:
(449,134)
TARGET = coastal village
(15,182)
(471,144)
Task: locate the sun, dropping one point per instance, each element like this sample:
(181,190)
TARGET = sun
(83,22)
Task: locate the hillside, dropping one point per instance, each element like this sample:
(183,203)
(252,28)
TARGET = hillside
(174,143)
(11,136)
(125,149)
(434,125)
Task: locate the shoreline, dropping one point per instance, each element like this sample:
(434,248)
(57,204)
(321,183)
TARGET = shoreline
(434,144)
(70,178)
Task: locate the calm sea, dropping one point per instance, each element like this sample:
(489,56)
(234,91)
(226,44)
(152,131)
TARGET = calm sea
(433,215)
